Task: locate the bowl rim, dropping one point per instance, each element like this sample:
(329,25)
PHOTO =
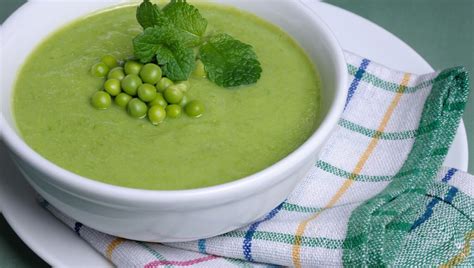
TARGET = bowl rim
(119,195)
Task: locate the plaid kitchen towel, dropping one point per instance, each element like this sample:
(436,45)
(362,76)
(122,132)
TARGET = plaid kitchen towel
(377,195)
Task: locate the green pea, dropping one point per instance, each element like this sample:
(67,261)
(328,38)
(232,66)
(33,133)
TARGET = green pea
(112,86)
(183,86)
(101,100)
(110,61)
(173,95)
(131,83)
(147,92)
(199,70)
(116,73)
(100,69)
(137,108)
(194,108)
(174,110)
(184,101)
(151,73)
(122,99)
(163,84)
(159,100)
(156,114)
(133,67)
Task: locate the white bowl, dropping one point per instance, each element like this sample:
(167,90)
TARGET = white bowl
(170,216)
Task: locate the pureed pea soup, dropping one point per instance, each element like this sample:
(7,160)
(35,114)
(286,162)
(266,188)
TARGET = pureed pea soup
(243,130)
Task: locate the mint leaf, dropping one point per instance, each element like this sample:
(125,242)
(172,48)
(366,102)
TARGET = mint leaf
(180,15)
(177,59)
(146,44)
(166,44)
(186,18)
(229,62)
(149,15)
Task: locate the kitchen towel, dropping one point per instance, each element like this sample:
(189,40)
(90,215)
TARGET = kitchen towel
(378,195)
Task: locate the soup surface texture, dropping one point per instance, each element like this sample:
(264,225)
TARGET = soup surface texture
(243,130)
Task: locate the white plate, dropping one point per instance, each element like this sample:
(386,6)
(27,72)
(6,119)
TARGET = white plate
(60,247)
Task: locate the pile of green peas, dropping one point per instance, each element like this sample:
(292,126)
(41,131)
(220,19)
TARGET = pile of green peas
(142,91)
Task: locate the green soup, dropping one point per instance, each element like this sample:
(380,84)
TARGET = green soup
(243,131)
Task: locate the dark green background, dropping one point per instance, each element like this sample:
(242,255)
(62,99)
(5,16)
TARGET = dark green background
(442,31)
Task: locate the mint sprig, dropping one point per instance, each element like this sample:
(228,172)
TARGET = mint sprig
(172,34)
